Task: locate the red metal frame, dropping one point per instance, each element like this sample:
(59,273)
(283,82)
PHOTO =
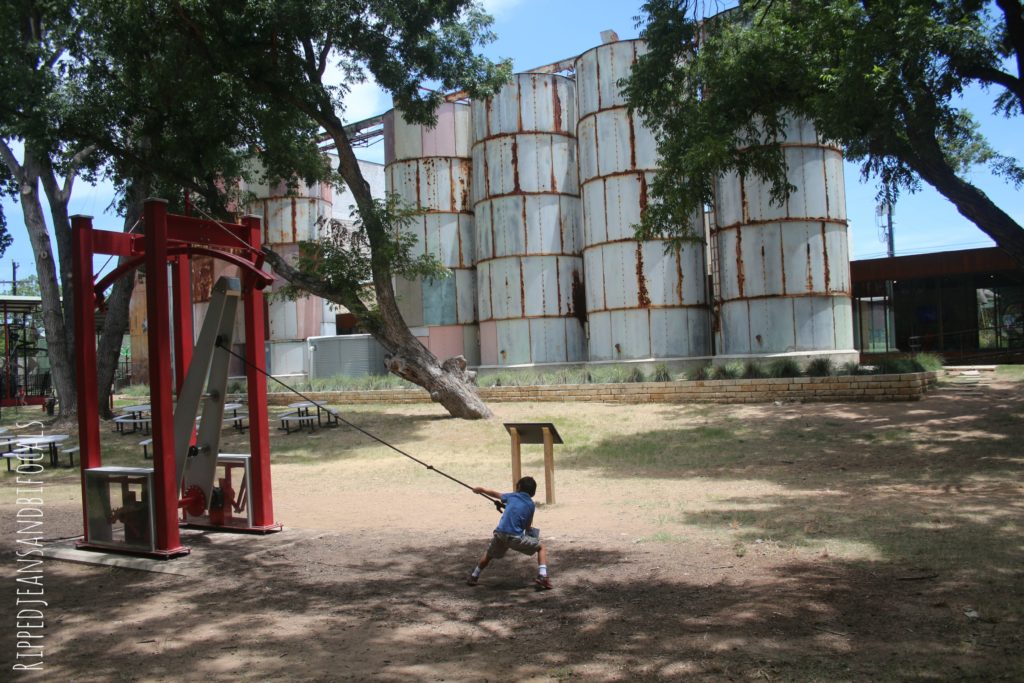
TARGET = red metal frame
(173,237)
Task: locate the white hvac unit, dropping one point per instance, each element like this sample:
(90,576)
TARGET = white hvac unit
(353,355)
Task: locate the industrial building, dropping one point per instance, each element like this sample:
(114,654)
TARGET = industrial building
(530,198)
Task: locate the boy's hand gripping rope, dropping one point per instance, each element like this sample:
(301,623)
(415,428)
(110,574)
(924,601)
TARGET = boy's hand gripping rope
(497,502)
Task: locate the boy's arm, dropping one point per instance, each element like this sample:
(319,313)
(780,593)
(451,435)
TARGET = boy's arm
(487,492)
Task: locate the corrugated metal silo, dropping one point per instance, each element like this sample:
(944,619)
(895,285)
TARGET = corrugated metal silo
(784,271)
(527,213)
(288,217)
(642,302)
(429,168)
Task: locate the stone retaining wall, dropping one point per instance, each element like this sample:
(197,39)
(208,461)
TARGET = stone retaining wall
(905,387)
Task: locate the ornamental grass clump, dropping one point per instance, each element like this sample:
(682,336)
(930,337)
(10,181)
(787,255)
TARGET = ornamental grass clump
(820,367)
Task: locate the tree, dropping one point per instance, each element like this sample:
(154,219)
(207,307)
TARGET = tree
(881,78)
(168,125)
(303,56)
(36,78)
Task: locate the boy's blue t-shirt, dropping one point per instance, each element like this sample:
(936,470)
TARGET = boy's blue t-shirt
(518,513)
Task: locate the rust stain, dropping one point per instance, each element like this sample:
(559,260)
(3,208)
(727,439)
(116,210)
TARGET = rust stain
(556,105)
(467,171)
(295,228)
(522,290)
(643,190)
(419,189)
(745,208)
(679,276)
(519,101)
(759,340)
(825,264)
(558,286)
(578,307)
(515,165)
(632,140)
(810,270)
(487,174)
(741,277)
(526,229)
(643,297)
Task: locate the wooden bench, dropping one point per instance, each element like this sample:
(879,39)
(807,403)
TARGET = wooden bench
(289,420)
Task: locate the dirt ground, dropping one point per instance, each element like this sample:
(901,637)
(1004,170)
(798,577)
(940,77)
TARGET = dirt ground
(796,542)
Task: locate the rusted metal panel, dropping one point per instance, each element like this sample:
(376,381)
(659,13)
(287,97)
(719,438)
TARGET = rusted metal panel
(450,137)
(527,218)
(429,168)
(784,268)
(627,280)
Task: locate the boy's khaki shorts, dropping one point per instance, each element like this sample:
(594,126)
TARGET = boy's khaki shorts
(527,545)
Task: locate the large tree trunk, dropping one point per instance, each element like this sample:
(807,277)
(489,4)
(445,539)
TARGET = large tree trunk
(108,350)
(57,334)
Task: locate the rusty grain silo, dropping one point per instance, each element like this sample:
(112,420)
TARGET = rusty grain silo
(784,271)
(290,215)
(429,168)
(527,214)
(643,302)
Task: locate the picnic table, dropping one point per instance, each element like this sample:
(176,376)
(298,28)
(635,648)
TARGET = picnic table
(50,441)
(138,416)
(302,409)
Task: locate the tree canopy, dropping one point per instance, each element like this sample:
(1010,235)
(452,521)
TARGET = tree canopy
(264,62)
(882,78)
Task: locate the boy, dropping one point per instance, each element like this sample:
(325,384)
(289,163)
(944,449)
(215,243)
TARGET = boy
(515,530)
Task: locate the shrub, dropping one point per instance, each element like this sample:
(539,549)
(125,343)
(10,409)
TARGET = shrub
(731,370)
(820,367)
(784,367)
(753,370)
(661,373)
(635,374)
(896,366)
(701,372)
(930,362)
(851,368)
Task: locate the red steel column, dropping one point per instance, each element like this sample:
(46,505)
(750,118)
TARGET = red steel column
(184,337)
(85,351)
(256,382)
(161,388)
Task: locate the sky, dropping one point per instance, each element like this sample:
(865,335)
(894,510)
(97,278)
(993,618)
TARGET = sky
(537,32)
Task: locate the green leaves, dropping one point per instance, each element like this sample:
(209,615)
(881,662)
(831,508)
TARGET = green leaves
(882,79)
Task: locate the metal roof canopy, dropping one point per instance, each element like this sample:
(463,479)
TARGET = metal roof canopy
(10,303)
(533,432)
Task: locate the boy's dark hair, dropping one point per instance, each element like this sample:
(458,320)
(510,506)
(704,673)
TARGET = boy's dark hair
(527,485)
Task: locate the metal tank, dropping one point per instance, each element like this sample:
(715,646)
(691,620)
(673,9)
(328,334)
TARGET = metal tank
(429,168)
(784,271)
(527,213)
(289,216)
(643,302)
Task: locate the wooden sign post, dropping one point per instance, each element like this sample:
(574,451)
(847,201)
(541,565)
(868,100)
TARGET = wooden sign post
(539,433)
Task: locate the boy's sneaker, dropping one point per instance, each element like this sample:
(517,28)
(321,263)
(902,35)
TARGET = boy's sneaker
(472,580)
(543,583)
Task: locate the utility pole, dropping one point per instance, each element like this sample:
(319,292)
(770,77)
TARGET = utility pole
(14,278)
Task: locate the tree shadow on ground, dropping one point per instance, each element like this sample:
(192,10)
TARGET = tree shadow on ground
(328,608)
